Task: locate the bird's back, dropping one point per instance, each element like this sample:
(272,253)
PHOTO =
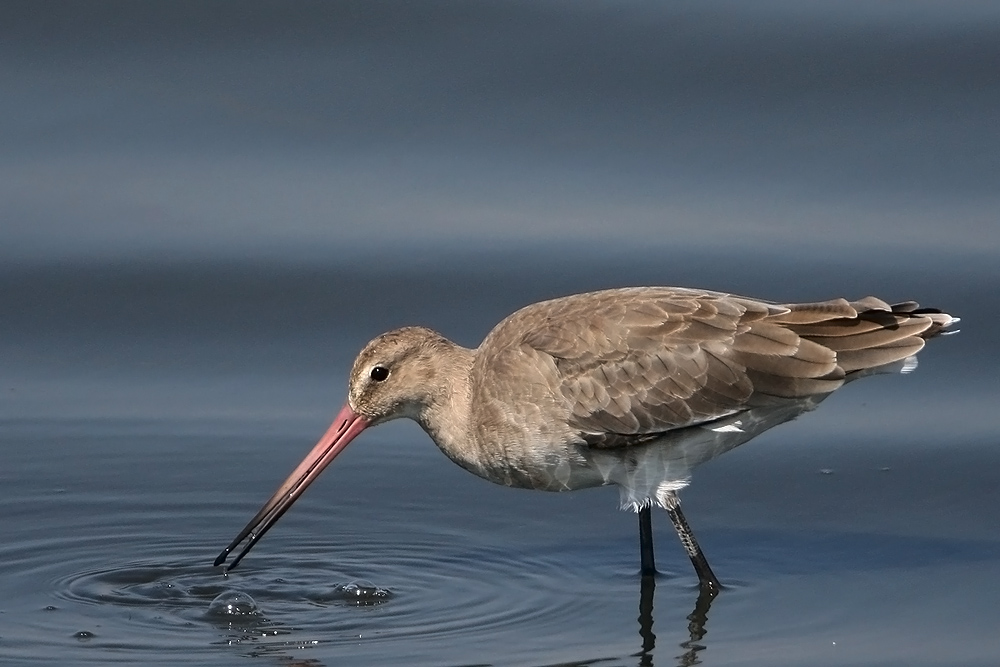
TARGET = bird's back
(622,367)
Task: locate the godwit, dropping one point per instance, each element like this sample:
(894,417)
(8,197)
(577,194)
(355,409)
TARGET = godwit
(630,387)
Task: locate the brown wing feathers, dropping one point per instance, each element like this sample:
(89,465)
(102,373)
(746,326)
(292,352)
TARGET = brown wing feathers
(634,363)
(837,338)
(877,334)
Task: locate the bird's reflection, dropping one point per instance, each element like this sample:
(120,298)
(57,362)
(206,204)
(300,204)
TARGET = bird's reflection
(646,591)
(696,628)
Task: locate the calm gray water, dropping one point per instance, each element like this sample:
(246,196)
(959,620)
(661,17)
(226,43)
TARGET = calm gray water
(149,411)
(208,208)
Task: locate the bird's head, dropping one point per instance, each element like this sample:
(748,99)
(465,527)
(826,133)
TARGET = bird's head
(395,375)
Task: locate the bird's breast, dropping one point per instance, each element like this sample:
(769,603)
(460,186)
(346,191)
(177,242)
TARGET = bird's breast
(540,465)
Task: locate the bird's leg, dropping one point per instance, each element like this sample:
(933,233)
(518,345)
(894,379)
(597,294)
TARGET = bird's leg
(648,566)
(706,578)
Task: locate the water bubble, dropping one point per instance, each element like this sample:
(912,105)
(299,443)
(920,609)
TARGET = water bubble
(361,593)
(228,604)
(84,635)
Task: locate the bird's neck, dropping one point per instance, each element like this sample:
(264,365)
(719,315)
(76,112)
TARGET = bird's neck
(446,417)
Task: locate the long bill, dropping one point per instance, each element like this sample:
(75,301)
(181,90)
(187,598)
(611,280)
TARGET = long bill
(347,425)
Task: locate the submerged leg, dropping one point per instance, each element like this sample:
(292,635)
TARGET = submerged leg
(647,567)
(709,582)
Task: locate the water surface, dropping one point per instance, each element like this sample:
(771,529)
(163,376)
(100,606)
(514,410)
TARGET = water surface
(150,411)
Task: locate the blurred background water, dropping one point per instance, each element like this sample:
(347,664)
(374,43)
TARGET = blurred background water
(209,207)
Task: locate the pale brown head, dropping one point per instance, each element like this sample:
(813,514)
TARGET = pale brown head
(395,375)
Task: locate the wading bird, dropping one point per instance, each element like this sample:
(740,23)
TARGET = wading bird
(630,387)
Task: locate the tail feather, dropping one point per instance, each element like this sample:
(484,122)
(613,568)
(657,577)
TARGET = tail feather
(941,322)
(880,355)
(880,331)
(839,340)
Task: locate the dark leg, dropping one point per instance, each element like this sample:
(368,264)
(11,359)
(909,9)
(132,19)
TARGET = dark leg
(648,567)
(706,577)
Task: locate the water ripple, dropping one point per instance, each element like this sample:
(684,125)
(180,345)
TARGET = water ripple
(429,588)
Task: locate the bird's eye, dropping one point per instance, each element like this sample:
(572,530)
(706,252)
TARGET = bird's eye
(379,373)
